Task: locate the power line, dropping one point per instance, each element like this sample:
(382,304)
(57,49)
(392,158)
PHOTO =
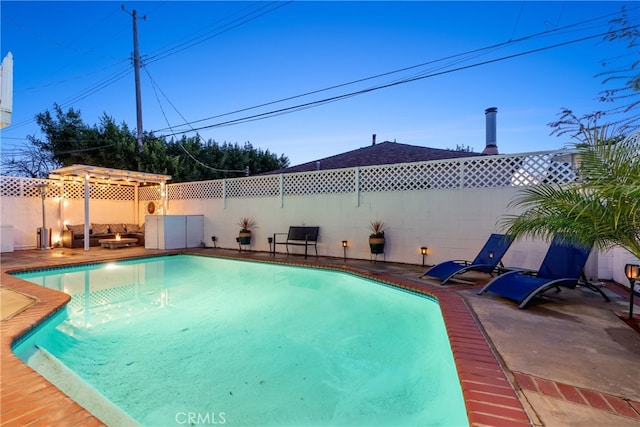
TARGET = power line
(464,57)
(155,86)
(384,86)
(217,31)
(103,84)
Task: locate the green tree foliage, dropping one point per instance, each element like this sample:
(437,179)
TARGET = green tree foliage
(601,208)
(68,140)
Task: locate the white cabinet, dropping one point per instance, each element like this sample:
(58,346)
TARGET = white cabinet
(6,238)
(173,231)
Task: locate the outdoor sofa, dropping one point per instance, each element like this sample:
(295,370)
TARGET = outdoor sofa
(73,235)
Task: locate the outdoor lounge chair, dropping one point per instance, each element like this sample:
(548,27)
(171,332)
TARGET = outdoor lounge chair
(562,266)
(487,260)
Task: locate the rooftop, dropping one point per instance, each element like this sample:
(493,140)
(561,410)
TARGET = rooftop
(384,153)
(569,361)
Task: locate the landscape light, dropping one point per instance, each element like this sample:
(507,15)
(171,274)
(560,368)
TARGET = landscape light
(424,251)
(632,271)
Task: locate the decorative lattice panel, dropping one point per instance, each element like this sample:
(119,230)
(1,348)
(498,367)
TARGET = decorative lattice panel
(111,192)
(556,168)
(476,172)
(321,182)
(152,192)
(26,187)
(410,176)
(10,187)
(73,190)
(490,172)
(195,190)
(256,186)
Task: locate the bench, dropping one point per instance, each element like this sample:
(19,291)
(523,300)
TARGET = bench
(298,236)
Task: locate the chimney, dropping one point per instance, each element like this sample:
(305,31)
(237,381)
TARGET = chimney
(491,146)
(373,139)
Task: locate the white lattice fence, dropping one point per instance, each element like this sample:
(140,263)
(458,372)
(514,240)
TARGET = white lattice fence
(149,193)
(196,190)
(258,186)
(490,172)
(410,176)
(27,187)
(559,168)
(474,172)
(111,192)
(322,182)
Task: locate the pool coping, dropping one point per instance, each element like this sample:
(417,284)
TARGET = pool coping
(489,393)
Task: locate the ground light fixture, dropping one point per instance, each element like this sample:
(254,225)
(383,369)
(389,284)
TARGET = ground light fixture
(214,239)
(424,251)
(632,271)
(345,243)
(270,240)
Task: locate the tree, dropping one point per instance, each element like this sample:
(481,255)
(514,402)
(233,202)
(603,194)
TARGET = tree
(68,140)
(211,160)
(31,161)
(602,207)
(621,97)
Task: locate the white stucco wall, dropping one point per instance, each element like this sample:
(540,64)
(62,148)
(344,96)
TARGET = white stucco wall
(453,224)
(25,215)
(449,206)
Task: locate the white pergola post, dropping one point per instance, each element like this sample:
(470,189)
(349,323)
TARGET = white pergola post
(86,212)
(136,202)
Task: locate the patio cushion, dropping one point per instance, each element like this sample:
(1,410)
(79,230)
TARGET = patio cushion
(76,229)
(132,228)
(100,228)
(117,228)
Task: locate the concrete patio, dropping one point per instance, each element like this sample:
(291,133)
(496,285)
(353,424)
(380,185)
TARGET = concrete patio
(570,360)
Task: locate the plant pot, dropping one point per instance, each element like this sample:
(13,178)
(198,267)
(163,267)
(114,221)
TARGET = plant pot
(376,244)
(244,237)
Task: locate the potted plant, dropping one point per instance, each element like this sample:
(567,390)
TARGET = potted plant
(244,236)
(376,238)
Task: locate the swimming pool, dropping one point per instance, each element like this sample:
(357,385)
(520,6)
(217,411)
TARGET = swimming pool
(242,343)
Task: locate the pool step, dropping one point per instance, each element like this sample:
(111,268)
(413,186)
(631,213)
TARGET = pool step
(79,390)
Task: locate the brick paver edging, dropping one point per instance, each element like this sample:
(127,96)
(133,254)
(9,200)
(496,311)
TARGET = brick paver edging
(578,395)
(28,398)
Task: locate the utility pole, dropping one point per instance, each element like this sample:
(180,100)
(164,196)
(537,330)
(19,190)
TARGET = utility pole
(136,68)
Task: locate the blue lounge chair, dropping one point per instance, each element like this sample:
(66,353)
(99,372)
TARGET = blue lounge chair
(487,260)
(563,265)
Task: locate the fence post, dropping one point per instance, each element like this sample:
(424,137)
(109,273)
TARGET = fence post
(224,194)
(281,189)
(357,186)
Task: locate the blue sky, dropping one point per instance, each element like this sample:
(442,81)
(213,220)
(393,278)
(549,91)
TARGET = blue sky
(203,60)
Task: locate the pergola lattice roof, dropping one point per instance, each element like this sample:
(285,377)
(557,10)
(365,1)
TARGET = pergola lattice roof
(114,176)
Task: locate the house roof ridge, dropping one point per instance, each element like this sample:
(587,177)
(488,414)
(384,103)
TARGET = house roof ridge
(383,153)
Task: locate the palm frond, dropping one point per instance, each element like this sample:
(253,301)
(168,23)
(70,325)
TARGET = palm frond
(602,208)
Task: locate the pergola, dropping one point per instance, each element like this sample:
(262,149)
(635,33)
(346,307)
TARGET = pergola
(103,175)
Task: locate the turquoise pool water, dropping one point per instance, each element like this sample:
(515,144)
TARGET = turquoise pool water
(195,340)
